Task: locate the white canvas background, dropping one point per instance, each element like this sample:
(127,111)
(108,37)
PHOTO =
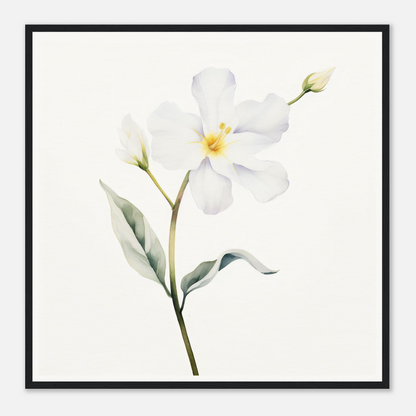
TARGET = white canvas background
(318,319)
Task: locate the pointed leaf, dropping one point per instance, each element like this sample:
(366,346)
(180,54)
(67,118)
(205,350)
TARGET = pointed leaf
(207,270)
(140,245)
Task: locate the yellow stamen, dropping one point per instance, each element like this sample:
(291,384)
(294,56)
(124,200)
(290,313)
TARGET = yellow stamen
(218,142)
(214,143)
(198,133)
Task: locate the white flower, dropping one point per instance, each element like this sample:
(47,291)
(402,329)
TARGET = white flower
(134,141)
(317,81)
(220,146)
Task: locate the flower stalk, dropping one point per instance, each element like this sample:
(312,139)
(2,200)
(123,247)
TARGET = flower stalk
(173,289)
(298,97)
(159,187)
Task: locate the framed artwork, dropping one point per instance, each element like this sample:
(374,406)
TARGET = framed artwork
(207,206)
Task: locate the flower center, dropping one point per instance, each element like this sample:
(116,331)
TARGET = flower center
(214,143)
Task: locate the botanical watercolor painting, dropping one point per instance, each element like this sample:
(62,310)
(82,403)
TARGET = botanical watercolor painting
(215,149)
(207,206)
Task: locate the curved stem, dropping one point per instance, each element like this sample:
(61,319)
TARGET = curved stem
(159,187)
(298,97)
(173,289)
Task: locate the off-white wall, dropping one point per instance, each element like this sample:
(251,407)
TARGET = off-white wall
(154,402)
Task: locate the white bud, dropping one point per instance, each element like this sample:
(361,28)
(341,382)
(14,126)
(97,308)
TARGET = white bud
(317,81)
(134,141)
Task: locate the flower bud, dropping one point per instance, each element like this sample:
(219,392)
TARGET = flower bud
(317,81)
(134,141)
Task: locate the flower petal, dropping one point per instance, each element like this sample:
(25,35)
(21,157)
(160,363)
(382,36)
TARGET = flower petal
(134,146)
(243,146)
(240,149)
(133,139)
(269,118)
(224,167)
(176,137)
(123,137)
(211,191)
(125,157)
(214,91)
(128,124)
(265,185)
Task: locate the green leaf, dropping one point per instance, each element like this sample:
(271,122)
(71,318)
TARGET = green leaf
(141,247)
(207,270)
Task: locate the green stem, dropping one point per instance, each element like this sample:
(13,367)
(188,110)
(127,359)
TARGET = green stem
(298,97)
(159,187)
(173,289)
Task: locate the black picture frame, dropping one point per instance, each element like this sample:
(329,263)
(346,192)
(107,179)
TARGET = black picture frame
(383,384)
